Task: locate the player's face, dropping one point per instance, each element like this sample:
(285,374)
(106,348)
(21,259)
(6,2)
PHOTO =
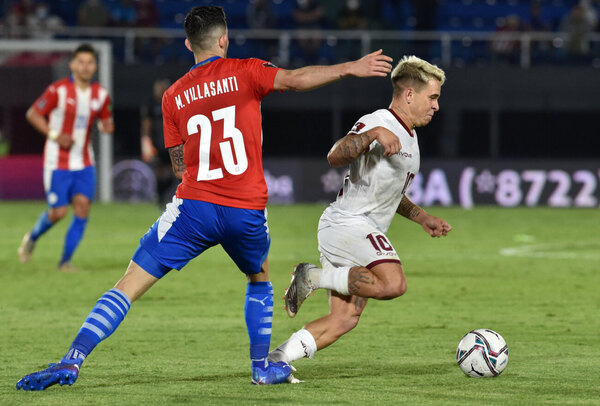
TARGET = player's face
(425,103)
(84,66)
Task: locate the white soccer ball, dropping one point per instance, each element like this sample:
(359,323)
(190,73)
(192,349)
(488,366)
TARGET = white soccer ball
(482,353)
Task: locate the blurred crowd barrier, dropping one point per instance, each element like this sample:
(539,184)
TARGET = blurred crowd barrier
(283,47)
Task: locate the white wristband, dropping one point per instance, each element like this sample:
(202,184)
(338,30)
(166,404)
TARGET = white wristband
(53,135)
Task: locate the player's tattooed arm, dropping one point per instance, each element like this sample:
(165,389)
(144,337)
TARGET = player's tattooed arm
(176,154)
(434,226)
(347,149)
(409,210)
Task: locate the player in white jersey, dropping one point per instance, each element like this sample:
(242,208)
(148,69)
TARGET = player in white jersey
(65,113)
(358,261)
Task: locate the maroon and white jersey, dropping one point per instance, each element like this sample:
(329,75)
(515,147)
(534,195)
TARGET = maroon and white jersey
(72,111)
(376,183)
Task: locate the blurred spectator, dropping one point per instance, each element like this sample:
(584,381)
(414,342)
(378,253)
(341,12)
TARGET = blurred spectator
(148,49)
(154,152)
(147,13)
(504,44)
(352,16)
(540,50)
(260,15)
(17,16)
(578,24)
(93,13)
(309,15)
(536,20)
(425,14)
(123,14)
(41,23)
(589,12)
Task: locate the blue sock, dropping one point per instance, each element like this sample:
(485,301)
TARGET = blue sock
(42,225)
(74,235)
(259,318)
(105,317)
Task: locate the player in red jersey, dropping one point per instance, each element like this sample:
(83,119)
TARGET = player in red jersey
(212,128)
(65,113)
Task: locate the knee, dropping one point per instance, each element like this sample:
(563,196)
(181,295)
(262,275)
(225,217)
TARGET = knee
(392,288)
(81,208)
(57,214)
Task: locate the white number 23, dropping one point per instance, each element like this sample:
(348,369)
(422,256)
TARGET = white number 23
(226,114)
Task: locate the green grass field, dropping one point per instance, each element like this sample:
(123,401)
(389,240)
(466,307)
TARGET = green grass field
(531,274)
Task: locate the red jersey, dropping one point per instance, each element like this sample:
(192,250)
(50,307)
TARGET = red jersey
(72,111)
(214,111)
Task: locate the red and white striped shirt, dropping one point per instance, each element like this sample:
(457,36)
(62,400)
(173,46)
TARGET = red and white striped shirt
(72,111)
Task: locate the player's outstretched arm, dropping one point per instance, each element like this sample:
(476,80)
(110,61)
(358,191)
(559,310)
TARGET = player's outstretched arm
(434,226)
(374,64)
(346,150)
(176,154)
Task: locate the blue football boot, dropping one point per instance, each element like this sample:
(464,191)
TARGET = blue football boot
(63,373)
(276,372)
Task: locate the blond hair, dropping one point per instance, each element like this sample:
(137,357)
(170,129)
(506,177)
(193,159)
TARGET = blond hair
(416,72)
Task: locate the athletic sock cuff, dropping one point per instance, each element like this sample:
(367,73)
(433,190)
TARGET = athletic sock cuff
(260,288)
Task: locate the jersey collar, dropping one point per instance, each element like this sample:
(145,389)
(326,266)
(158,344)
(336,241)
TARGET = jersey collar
(204,62)
(401,122)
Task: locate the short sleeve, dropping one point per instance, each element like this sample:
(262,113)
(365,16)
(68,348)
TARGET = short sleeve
(262,74)
(47,101)
(170,130)
(106,109)
(365,123)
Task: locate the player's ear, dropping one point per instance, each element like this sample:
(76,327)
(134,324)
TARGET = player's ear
(188,45)
(409,94)
(223,41)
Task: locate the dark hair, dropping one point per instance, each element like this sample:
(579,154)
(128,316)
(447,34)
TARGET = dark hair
(85,48)
(200,23)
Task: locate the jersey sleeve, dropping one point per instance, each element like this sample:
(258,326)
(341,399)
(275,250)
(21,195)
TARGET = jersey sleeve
(106,109)
(170,130)
(262,74)
(47,101)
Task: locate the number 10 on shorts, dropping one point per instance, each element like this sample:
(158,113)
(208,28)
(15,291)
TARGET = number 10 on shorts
(380,242)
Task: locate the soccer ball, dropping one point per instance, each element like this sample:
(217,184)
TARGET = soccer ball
(482,353)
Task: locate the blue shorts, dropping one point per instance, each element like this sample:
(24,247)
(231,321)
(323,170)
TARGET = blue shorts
(188,227)
(62,184)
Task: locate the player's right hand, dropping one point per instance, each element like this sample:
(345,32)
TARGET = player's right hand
(65,141)
(373,64)
(388,140)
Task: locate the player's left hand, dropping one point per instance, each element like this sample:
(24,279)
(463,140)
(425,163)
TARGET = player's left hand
(373,64)
(435,226)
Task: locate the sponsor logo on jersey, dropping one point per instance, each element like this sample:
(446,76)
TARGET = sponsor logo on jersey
(95,104)
(404,154)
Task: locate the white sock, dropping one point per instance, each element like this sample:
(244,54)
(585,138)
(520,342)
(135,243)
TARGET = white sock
(301,344)
(333,279)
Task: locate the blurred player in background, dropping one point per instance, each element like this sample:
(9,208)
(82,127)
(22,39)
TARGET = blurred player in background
(64,114)
(153,148)
(213,130)
(358,261)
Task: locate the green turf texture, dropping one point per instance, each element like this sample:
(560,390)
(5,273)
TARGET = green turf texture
(185,341)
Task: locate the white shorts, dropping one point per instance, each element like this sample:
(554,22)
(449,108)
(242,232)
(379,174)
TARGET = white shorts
(352,241)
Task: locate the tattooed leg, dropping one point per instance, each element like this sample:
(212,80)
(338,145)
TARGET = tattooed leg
(383,281)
